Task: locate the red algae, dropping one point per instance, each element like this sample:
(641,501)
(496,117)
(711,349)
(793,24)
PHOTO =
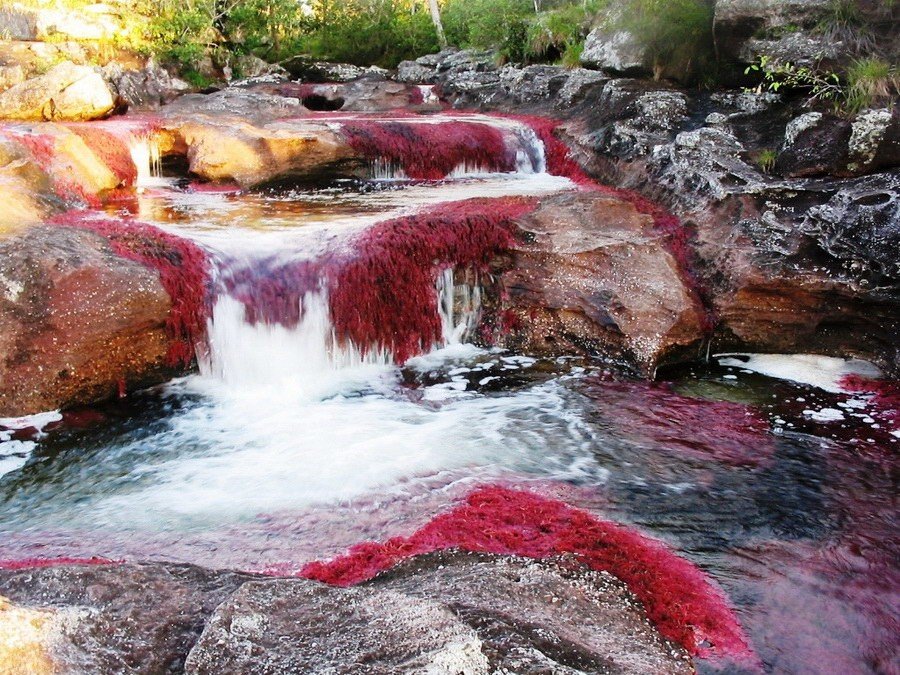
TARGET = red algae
(182,267)
(384,295)
(110,148)
(731,434)
(33,563)
(431,150)
(679,599)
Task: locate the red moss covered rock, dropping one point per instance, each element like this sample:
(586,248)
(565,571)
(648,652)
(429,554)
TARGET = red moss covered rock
(680,600)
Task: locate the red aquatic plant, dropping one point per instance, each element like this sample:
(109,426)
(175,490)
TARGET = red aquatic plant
(430,150)
(110,148)
(655,415)
(681,601)
(182,266)
(383,294)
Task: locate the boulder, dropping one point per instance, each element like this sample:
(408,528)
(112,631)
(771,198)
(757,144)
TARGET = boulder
(413,72)
(91,22)
(144,88)
(616,52)
(253,155)
(540,616)
(591,274)
(65,92)
(318,72)
(781,25)
(108,618)
(77,321)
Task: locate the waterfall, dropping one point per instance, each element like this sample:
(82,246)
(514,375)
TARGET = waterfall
(459,305)
(145,154)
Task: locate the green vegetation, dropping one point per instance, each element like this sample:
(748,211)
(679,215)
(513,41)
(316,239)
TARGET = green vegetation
(676,34)
(765,159)
(869,82)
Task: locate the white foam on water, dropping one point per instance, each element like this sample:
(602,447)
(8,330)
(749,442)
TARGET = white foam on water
(824,372)
(147,159)
(14,454)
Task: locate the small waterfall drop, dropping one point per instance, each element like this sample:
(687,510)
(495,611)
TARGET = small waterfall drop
(147,158)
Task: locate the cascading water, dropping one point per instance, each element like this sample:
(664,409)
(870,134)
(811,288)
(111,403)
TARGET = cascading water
(297,440)
(145,153)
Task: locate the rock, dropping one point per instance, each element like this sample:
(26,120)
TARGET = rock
(799,49)
(616,52)
(533,83)
(91,22)
(319,72)
(580,84)
(446,612)
(146,88)
(365,95)
(75,321)
(251,105)
(781,25)
(26,637)
(65,92)
(874,141)
(249,66)
(10,76)
(253,155)
(544,616)
(293,625)
(814,145)
(111,618)
(593,275)
(413,72)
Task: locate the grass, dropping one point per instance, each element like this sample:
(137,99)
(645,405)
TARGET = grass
(871,82)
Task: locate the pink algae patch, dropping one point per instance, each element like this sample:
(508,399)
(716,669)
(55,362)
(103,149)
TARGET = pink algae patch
(679,599)
(182,267)
(653,413)
(32,563)
(384,295)
(431,150)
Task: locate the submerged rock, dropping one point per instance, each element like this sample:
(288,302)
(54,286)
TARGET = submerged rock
(65,92)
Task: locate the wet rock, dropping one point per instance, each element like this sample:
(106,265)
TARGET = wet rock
(535,616)
(592,274)
(293,625)
(76,320)
(134,618)
(616,52)
(65,92)
(251,155)
(814,145)
(446,612)
(874,140)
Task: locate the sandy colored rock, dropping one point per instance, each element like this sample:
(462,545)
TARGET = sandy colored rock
(75,320)
(24,634)
(250,155)
(65,92)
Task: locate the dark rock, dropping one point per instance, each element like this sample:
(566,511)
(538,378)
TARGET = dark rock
(132,618)
(317,72)
(540,616)
(146,88)
(413,72)
(814,145)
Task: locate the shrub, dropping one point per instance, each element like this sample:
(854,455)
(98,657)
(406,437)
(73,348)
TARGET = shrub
(676,34)
(765,159)
(553,33)
(490,24)
(870,82)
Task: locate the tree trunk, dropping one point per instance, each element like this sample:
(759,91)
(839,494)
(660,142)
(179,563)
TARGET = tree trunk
(438,24)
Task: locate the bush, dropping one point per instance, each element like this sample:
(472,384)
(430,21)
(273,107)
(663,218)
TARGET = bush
(490,24)
(676,34)
(870,82)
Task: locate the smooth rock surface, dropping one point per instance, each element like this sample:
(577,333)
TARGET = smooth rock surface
(65,92)
(591,274)
(130,618)
(75,321)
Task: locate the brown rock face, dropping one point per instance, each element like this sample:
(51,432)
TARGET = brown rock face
(65,92)
(75,321)
(591,274)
